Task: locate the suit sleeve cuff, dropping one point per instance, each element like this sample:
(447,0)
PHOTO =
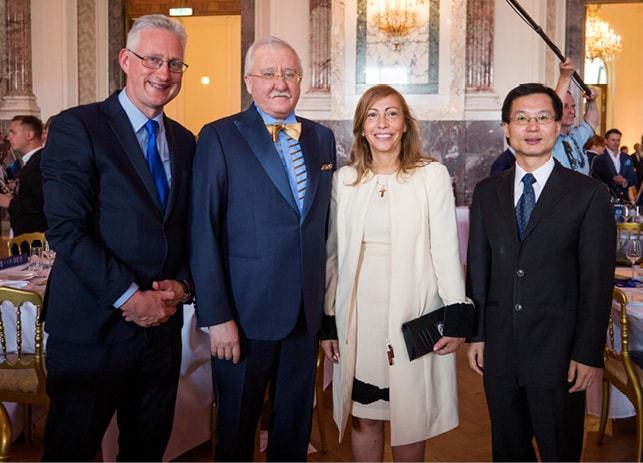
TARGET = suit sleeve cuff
(126,295)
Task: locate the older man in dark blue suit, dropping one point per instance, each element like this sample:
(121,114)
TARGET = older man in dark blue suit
(260,201)
(116,180)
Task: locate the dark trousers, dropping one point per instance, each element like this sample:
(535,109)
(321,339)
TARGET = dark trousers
(552,415)
(289,366)
(137,378)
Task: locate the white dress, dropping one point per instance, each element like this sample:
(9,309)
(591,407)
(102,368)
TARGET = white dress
(372,302)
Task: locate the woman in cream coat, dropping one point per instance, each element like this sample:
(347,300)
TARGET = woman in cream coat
(411,199)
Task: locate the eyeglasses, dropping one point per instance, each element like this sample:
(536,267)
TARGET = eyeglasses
(155,62)
(288,76)
(543,118)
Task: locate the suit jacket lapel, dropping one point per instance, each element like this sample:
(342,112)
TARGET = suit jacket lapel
(122,128)
(505,192)
(313,164)
(252,129)
(553,192)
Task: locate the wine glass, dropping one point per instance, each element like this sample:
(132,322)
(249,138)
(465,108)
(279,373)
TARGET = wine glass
(633,253)
(35,260)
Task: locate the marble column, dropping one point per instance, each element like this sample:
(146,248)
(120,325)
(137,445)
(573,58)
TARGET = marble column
(479,59)
(320,25)
(18,95)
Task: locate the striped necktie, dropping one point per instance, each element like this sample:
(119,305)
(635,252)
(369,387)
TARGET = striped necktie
(299,166)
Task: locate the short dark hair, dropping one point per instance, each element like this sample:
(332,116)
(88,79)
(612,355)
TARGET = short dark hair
(530,89)
(611,131)
(34,124)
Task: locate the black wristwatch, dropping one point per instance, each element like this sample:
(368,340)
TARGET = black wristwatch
(188,293)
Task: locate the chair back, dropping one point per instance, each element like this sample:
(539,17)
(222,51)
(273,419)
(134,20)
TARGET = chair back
(22,374)
(621,353)
(22,244)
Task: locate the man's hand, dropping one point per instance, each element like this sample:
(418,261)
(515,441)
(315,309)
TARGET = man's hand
(620,180)
(331,349)
(5,200)
(224,341)
(174,287)
(566,68)
(584,376)
(476,362)
(447,344)
(148,308)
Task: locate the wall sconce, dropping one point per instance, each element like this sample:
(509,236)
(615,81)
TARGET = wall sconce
(395,18)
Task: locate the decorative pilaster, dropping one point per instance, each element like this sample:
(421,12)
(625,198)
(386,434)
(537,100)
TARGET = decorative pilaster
(18,95)
(480,30)
(320,25)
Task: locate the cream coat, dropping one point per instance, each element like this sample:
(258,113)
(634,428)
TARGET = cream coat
(425,275)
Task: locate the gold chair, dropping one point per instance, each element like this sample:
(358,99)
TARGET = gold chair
(622,373)
(22,375)
(24,242)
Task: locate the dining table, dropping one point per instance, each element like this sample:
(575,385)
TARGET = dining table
(620,406)
(193,409)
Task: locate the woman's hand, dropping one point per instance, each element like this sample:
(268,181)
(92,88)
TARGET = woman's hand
(447,344)
(331,350)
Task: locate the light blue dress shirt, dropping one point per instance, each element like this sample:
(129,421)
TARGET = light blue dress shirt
(138,121)
(577,137)
(282,146)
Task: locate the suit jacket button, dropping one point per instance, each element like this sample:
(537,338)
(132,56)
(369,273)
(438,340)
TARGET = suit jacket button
(518,307)
(520,273)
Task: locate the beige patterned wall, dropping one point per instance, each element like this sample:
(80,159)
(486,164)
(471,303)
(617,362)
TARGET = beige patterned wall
(86,51)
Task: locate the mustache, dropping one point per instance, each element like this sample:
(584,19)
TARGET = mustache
(278,93)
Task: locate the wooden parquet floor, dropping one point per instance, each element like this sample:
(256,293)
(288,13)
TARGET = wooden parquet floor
(468,442)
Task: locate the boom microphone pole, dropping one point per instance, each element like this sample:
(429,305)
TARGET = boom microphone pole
(525,17)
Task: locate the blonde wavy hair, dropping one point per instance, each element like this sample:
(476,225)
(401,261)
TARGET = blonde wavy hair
(411,156)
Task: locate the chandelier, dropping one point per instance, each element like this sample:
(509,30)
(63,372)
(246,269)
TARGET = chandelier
(395,18)
(600,39)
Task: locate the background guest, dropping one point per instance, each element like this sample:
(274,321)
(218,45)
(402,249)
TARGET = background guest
(391,198)
(595,146)
(616,169)
(25,202)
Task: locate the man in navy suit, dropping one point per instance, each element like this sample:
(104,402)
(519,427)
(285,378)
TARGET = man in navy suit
(116,180)
(260,199)
(504,161)
(614,168)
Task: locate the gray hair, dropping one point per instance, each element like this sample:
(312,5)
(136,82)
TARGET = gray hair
(272,42)
(155,21)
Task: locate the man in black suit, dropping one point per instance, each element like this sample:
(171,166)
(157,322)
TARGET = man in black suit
(116,180)
(540,271)
(25,203)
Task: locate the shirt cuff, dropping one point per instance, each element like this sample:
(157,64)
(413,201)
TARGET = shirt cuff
(126,295)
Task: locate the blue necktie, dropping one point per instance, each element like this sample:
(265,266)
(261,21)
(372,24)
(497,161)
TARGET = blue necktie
(525,204)
(155,163)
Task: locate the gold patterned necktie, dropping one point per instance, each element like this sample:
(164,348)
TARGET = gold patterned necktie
(292,130)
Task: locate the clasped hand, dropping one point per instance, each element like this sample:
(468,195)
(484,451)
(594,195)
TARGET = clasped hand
(154,306)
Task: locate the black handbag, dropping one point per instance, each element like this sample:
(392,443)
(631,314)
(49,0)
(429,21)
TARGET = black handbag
(421,334)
